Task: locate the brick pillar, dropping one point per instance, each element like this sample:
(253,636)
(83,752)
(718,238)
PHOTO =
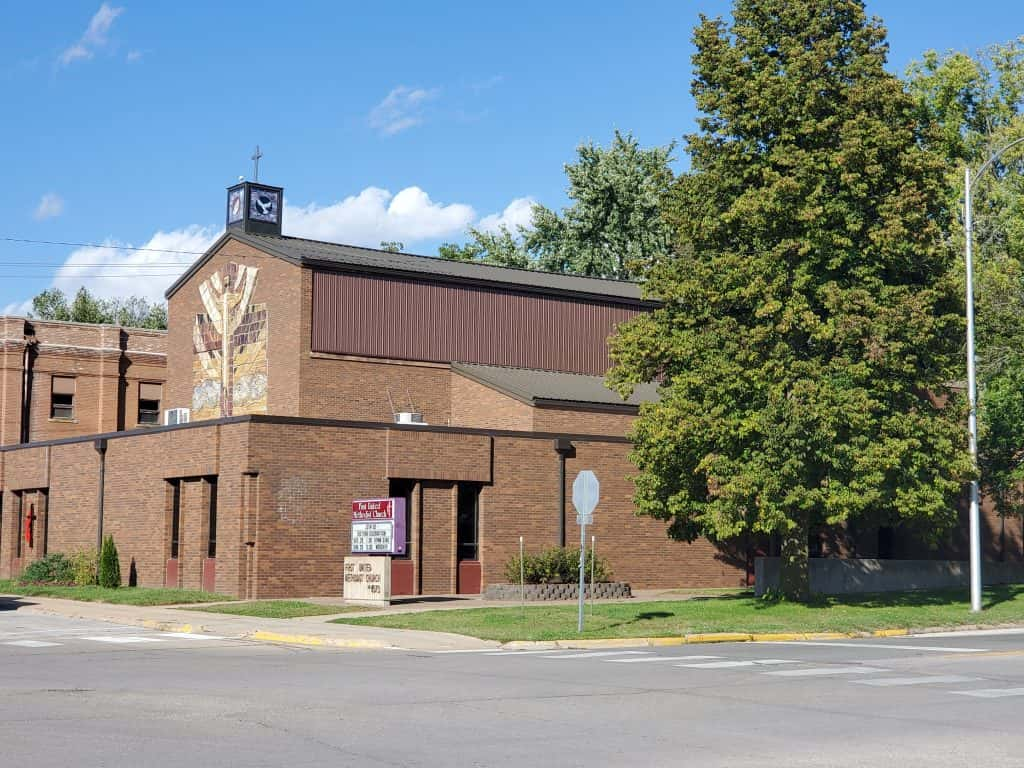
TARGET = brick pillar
(192,538)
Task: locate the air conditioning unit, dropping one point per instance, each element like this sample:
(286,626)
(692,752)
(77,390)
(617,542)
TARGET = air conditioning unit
(409,417)
(174,416)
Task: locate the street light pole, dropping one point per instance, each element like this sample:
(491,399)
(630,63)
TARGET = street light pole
(972,400)
(974,516)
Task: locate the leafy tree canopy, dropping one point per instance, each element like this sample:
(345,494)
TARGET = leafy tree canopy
(976,102)
(807,307)
(131,312)
(612,229)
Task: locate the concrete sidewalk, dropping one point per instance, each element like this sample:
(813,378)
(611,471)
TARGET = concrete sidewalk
(308,630)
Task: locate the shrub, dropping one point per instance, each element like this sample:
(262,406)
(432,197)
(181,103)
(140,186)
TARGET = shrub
(83,566)
(558,565)
(110,566)
(54,568)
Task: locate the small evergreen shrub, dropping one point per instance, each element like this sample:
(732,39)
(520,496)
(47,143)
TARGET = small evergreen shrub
(558,565)
(83,567)
(110,566)
(54,568)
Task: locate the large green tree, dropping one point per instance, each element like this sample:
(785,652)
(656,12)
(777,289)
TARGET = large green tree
(808,318)
(976,101)
(131,311)
(613,228)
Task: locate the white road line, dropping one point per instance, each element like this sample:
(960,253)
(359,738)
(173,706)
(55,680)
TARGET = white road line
(476,650)
(518,653)
(833,644)
(886,682)
(31,643)
(660,658)
(972,633)
(593,654)
(717,664)
(991,693)
(825,671)
(192,636)
(125,639)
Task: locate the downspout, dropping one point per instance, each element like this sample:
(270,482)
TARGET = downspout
(564,448)
(101,448)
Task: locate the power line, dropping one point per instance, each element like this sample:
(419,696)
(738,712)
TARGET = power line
(98,245)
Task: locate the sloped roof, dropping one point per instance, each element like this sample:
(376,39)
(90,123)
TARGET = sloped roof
(536,387)
(317,253)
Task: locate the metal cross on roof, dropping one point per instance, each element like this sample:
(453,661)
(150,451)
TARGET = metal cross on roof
(256,163)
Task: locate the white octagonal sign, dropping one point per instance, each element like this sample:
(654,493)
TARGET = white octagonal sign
(585,493)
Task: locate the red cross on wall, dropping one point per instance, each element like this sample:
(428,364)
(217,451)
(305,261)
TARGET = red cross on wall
(29,520)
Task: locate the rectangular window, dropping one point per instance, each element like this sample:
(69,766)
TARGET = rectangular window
(211,545)
(19,533)
(469,521)
(175,516)
(62,397)
(150,396)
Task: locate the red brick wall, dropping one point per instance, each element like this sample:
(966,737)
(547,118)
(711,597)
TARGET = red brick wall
(573,421)
(474,405)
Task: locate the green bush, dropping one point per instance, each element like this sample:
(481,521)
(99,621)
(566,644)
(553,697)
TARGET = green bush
(83,566)
(110,566)
(558,565)
(54,568)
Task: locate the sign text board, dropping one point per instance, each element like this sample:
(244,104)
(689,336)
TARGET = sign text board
(378,527)
(368,581)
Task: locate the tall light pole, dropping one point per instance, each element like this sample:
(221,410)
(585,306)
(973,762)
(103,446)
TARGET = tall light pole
(972,383)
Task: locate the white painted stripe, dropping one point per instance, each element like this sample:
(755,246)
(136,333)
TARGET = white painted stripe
(991,693)
(825,671)
(517,653)
(886,682)
(593,654)
(888,646)
(192,636)
(125,639)
(717,664)
(769,662)
(476,650)
(660,658)
(31,643)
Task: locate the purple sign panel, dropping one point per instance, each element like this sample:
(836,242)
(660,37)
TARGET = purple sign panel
(378,527)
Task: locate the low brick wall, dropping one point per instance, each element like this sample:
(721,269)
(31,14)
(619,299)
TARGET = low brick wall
(539,592)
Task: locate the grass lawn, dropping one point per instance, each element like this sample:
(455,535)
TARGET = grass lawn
(727,613)
(278,609)
(122,595)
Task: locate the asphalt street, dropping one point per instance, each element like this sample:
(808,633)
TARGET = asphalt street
(83,693)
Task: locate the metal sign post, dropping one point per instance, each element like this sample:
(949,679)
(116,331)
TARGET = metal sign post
(585,494)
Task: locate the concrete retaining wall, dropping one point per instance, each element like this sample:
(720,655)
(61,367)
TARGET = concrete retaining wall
(835,576)
(538,592)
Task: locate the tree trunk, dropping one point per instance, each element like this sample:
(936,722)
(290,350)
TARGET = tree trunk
(794,570)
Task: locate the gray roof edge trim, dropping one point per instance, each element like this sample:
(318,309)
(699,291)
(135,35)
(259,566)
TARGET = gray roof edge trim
(586,405)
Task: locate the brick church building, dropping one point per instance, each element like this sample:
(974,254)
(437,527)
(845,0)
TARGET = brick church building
(297,376)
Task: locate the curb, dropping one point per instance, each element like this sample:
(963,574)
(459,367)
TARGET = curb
(701,638)
(316,640)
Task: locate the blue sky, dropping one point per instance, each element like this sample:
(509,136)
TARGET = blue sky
(123,122)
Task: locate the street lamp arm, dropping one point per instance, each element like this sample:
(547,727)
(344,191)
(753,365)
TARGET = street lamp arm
(996,155)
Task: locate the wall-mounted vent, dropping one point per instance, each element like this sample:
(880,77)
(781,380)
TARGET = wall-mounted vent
(174,416)
(409,417)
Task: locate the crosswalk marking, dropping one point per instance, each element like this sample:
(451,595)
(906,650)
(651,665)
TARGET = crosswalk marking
(739,663)
(191,636)
(885,682)
(660,658)
(516,653)
(824,671)
(125,639)
(991,693)
(888,646)
(592,654)
(30,643)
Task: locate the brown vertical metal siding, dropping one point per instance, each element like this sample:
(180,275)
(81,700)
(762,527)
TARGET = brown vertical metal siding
(436,322)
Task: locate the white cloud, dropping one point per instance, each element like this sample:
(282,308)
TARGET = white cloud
(375,215)
(133,56)
(50,206)
(401,109)
(118,271)
(17,308)
(94,37)
(518,213)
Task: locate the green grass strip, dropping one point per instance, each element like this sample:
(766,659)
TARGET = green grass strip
(120,596)
(726,613)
